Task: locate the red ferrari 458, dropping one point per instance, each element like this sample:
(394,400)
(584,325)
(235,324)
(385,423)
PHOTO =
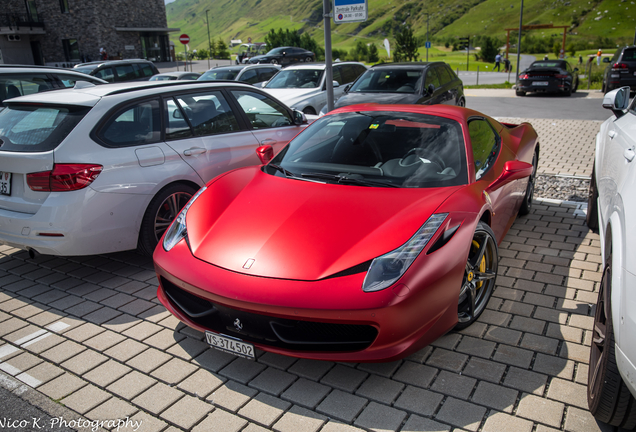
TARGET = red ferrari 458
(371,234)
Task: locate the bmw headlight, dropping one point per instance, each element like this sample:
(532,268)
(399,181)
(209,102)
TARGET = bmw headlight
(385,270)
(177,231)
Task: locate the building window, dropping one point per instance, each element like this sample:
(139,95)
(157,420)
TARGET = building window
(32,11)
(64,6)
(71,49)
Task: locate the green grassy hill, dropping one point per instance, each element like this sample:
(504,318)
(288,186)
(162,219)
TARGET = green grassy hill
(240,19)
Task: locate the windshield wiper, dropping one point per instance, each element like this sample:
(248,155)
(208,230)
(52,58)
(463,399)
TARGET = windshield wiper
(287,173)
(343,179)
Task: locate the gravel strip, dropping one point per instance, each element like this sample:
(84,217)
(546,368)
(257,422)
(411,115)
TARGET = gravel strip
(561,187)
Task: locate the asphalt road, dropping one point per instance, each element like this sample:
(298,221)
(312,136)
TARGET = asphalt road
(581,105)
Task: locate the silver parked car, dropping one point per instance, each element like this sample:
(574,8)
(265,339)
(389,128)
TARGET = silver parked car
(107,168)
(612,210)
(16,80)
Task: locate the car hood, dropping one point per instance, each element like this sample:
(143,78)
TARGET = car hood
(294,229)
(381,98)
(292,96)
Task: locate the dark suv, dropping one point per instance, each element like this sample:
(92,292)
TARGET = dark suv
(16,80)
(119,70)
(406,83)
(621,70)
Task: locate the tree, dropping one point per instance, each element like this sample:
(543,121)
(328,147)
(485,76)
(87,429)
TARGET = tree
(489,49)
(556,49)
(212,49)
(221,50)
(373,57)
(202,53)
(571,49)
(360,52)
(405,46)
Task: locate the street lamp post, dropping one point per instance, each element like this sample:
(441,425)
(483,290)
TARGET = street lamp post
(207,22)
(519,45)
(427,15)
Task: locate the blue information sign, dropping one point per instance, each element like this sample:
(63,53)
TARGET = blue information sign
(345,11)
(428,44)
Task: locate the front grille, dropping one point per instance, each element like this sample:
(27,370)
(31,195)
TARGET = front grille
(296,335)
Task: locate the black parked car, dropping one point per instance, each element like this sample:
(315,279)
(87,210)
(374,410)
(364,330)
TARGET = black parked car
(621,70)
(406,83)
(548,76)
(17,80)
(285,56)
(119,70)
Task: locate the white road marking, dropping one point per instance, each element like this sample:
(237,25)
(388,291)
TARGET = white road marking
(7,350)
(30,337)
(58,326)
(29,380)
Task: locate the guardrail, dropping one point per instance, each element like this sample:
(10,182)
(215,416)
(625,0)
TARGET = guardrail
(15,21)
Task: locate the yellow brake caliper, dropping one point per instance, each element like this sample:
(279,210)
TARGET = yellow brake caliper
(482,265)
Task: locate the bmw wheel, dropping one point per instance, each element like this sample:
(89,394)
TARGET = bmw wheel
(461,102)
(161,211)
(273,61)
(608,397)
(479,277)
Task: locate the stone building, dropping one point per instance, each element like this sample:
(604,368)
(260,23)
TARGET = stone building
(65,32)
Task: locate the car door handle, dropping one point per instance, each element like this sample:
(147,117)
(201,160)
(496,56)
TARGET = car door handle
(611,134)
(629,154)
(268,141)
(194,151)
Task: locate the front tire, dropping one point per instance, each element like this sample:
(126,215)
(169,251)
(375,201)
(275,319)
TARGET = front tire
(309,110)
(608,397)
(273,61)
(526,205)
(479,276)
(161,211)
(520,93)
(308,60)
(591,219)
(461,102)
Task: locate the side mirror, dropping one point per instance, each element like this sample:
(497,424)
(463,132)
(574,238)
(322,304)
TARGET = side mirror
(606,59)
(265,153)
(430,89)
(513,170)
(177,114)
(299,117)
(347,88)
(617,100)
(336,84)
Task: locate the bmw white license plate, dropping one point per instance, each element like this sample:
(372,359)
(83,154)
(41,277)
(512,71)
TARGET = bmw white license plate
(5,183)
(540,83)
(230,345)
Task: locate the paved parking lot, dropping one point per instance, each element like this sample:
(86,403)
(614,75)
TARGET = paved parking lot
(88,333)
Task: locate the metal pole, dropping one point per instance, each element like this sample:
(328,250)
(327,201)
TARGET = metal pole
(589,74)
(207,22)
(326,13)
(467,53)
(427,15)
(519,44)
(185,50)
(477,74)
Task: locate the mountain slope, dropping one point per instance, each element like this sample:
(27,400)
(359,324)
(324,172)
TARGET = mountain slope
(240,19)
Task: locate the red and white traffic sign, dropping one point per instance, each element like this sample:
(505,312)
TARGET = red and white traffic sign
(184,38)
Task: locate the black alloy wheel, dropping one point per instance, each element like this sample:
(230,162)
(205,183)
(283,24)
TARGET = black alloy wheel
(161,211)
(608,398)
(591,219)
(526,205)
(479,277)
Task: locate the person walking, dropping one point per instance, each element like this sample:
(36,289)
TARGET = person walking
(598,57)
(580,59)
(497,62)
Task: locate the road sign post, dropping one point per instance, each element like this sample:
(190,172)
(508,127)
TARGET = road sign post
(184,39)
(465,43)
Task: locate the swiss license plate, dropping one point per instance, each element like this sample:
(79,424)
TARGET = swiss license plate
(634,73)
(540,83)
(230,345)
(5,183)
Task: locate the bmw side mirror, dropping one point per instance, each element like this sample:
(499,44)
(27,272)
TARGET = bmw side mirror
(265,153)
(347,88)
(617,101)
(336,84)
(299,117)
(430,89)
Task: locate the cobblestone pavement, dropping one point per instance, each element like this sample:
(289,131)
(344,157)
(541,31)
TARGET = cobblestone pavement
(88,332)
